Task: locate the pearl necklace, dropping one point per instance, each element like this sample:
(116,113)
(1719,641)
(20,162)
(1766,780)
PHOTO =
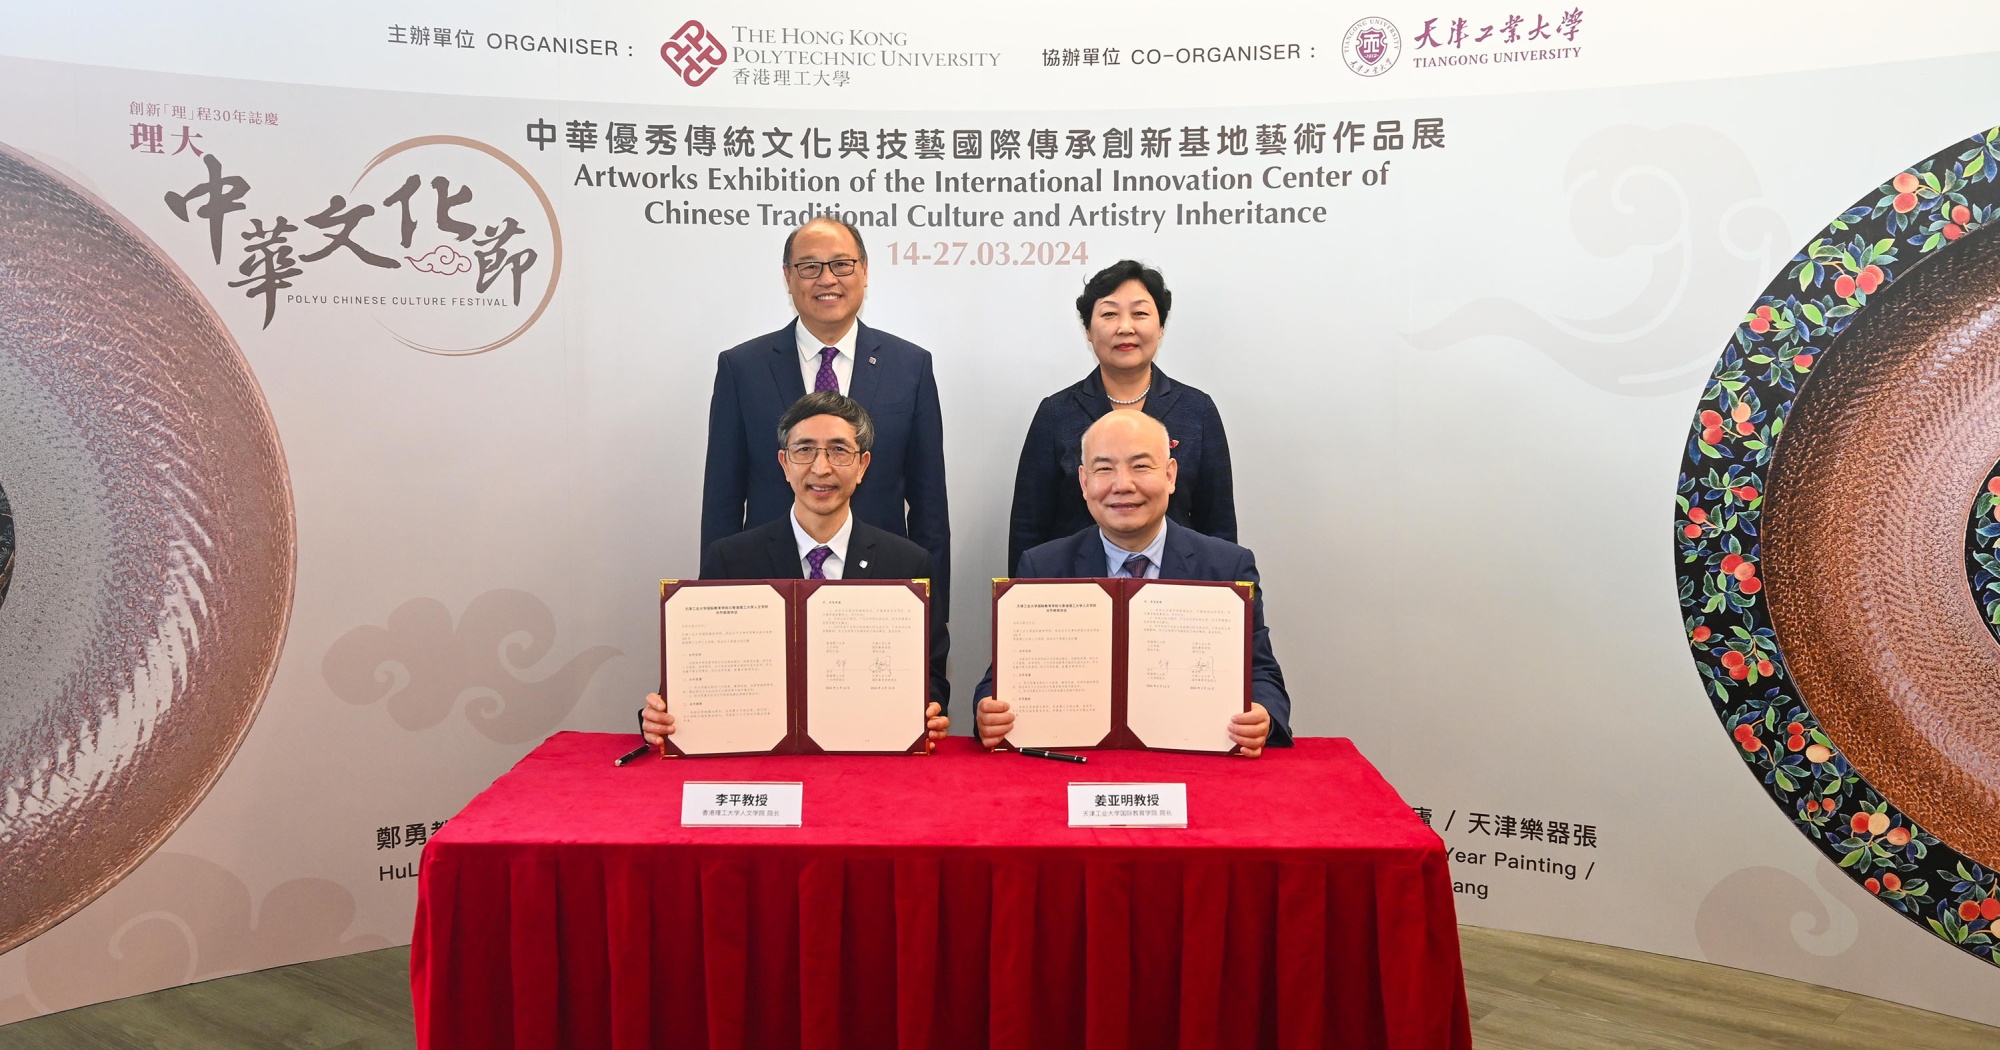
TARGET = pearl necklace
(1134,401)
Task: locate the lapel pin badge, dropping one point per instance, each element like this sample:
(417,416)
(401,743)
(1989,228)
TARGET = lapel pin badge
(864,564)
(871,360)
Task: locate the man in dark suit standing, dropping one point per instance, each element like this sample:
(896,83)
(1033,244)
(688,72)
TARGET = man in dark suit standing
(1127,476)
(824,443)
(828,349)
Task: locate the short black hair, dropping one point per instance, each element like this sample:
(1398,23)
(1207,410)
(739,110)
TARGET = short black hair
(837,221)
(828,403)
(1108,280)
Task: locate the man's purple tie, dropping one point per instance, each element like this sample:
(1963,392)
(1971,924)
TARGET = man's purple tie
(826,380)
(817,559)
(1135,566)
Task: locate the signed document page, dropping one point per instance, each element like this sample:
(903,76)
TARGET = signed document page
(1185,669)
(1052,660)
(726,674)
(867,668)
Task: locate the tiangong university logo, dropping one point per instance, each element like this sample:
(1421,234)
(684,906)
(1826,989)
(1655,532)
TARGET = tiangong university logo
(1371,46)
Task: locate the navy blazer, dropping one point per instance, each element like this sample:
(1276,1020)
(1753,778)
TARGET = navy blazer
(1048,503)
(771,552)
(903,493)
(1189,555)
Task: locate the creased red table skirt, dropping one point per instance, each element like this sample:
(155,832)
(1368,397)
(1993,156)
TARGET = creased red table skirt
(585,941)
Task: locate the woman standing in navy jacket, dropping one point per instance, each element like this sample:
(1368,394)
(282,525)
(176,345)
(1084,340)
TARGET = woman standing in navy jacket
(1124,313)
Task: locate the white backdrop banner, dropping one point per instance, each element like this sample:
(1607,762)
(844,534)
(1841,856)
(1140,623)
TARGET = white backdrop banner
(1456,277)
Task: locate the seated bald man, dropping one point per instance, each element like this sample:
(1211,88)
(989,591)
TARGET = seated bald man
(1127,475)
(823,447)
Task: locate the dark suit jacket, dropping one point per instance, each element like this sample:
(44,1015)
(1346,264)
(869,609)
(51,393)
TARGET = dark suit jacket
(757,381)
(1048,504)
(1189,555)
(771,552)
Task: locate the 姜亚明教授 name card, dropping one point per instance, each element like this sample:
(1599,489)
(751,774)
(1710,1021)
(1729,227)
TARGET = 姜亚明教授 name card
(711,804)
(1128,805)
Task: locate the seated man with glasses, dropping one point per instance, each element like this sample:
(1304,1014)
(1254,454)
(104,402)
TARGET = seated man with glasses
(825,442)
(1127,475)
(827,348)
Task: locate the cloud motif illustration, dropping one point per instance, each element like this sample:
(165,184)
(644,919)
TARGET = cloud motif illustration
(1688,201)
(422,665)
(182,918)
(442,259)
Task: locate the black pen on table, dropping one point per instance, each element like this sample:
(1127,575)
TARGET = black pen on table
(1036,752)
(633,755)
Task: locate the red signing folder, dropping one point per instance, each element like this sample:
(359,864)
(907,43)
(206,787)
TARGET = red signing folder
(1122,663)
(755,667)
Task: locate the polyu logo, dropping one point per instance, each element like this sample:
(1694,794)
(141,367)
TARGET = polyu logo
(693,53)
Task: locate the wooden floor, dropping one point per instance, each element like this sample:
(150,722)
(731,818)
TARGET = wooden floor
(1542,993)
(1527,993)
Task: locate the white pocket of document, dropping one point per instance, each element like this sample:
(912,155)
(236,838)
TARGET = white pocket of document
(726,805)
(1128,805)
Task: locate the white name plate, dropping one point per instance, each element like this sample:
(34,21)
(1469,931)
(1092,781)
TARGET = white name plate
(1128,805)
(725,805)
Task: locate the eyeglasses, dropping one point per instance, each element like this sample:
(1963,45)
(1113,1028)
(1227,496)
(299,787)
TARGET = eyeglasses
(809,270)
(836,455)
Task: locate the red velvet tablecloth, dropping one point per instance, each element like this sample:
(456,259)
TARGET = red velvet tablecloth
(937,901)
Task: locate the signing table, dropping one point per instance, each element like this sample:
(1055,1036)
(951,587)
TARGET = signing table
(937,901)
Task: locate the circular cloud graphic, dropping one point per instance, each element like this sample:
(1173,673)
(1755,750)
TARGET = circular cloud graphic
(150,498)
(1830,584)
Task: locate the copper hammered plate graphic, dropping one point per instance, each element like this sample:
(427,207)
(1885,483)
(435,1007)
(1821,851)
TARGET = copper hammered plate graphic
(1882,457)
(154,548)
(1834,572)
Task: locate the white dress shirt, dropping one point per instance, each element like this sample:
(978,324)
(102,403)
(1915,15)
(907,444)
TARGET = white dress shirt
(1114,555)
(833,565)
(843,362)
